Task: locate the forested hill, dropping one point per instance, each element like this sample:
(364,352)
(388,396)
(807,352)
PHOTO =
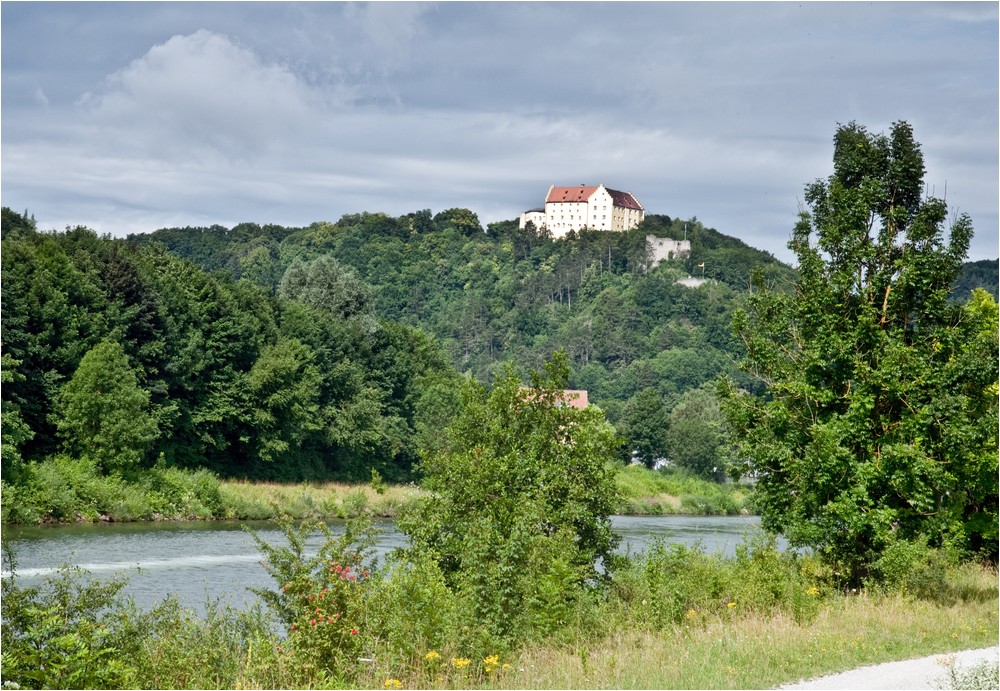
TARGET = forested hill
(504,294)
(983,274)
(323,351)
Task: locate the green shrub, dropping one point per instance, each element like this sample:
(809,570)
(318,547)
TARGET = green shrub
(671,584)
(67,633)
(220,649)
(913,567)
(18,504)
(415,610)
(518,506)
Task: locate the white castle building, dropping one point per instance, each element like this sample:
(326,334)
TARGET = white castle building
(596,208)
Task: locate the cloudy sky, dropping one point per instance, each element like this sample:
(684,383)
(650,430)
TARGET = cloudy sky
(128,117)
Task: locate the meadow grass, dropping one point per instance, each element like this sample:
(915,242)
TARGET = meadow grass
(757,651)
(267,500)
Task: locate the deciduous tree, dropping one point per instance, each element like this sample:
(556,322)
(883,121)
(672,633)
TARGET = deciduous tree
(879,423)
(103,414)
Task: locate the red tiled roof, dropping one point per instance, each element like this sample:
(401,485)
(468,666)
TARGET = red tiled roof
(582,193)
(575,398)
(570,194)
(625,199)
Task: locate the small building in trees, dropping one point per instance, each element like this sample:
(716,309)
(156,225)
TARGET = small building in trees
(586,206)
(572,398)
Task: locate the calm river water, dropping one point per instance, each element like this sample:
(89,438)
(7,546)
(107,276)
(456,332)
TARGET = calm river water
(202,561)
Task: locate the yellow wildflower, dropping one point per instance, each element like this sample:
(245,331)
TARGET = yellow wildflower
(505,667)
(812,592)
(491,662)
(460,662)
(431,656)
(393,684)
(691,614)
(730,604)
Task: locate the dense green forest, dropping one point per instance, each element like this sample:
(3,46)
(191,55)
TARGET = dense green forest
(132,356)
(324,351)
(981,274)
(638,341)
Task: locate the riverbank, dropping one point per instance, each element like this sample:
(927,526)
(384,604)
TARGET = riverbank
(675,618)
(64,490)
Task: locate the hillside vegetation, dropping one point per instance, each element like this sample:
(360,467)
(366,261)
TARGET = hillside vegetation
(507,295)
(319,353)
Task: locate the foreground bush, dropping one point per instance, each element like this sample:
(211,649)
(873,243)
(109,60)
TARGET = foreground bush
(517,514)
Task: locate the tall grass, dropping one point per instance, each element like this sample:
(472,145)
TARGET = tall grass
(762,650)
(68,490)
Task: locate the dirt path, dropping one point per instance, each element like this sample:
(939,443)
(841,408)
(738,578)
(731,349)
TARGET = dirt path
(923,673)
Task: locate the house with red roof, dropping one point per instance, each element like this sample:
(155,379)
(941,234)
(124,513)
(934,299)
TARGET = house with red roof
(586,206)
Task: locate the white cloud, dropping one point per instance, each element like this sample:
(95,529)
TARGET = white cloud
(200,94)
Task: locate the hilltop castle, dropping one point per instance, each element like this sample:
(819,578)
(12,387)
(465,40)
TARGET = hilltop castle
(596,208)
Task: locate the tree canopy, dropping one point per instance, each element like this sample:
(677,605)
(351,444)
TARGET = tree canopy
(129,355)
(879,421)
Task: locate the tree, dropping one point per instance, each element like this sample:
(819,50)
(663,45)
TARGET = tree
(13,430)
(329,286)
(644,426)
(464,221)
(697,436)
(284,389)
(879,423)
(102,414)
(520,498)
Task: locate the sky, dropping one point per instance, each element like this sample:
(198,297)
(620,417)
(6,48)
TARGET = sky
(129,117)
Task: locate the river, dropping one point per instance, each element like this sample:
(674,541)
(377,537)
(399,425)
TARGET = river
(201,561)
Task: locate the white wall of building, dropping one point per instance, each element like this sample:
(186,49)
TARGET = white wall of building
(596,211)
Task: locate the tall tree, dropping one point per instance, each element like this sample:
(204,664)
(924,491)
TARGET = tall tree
(644,426)
(879,423)
(698,436)
(520,495)
(103,414)
(327,285)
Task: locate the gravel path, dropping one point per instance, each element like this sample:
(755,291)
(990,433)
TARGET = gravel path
(924,673)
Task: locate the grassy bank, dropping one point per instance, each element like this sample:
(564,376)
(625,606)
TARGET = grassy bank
(760,651)
(647,492)
(267,500)
(65,490)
